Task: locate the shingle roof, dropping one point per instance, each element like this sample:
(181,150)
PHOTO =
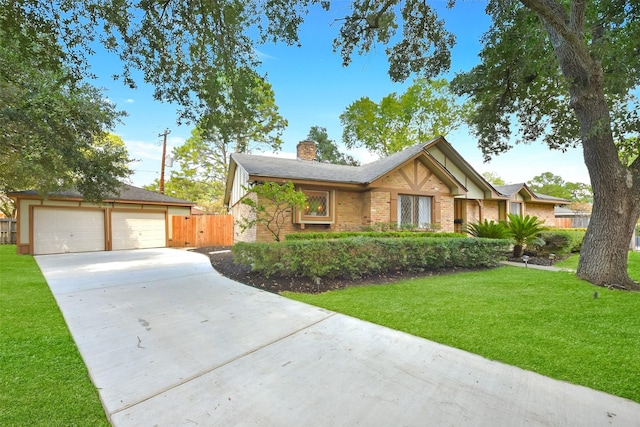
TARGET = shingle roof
(127,193)
(277,167)
(511,189)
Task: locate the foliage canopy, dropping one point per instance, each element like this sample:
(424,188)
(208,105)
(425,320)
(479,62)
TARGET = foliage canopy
(426,110)
(326,148)
(54,128)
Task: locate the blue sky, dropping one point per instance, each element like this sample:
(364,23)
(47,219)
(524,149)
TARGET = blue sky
(312,88)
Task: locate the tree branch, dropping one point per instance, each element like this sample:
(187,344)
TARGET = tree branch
(377,16)
(578,8)
(555,16)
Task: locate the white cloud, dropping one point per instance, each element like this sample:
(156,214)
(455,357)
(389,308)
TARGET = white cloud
(175,141)
(362,155)
(263,55)
(129,101)
(144,150)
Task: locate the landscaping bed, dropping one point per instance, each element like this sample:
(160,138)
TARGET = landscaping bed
(222,261)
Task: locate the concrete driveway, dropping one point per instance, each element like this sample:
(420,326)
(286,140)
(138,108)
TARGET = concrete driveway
(170,342)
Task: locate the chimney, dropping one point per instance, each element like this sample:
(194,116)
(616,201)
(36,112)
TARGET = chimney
(306,150)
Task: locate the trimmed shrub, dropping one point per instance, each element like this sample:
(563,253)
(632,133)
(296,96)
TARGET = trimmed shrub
(560,242)
(358,256)
(381,234)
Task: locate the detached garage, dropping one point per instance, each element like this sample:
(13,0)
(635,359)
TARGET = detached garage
(62,223)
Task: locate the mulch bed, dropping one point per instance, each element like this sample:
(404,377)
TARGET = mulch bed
(222,261)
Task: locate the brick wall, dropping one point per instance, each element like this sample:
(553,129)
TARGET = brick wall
(380,207)
(473,212)
(543,211)
(240,210)
(447,214)
(349,211)
(491,210)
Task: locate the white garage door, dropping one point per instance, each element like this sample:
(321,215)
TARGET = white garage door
(57,231)
(137,230)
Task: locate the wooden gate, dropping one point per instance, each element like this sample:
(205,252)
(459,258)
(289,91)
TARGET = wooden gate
(202,230)
(7,231)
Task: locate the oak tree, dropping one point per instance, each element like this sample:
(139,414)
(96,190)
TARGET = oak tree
(566,73)
(54,126)
(493,178)
(327,149)
(427,109)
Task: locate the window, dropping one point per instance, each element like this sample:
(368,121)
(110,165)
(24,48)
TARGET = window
(414,210)
(319,208)
(516,208)
(317,204)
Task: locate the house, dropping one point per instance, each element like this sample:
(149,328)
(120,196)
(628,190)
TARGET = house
(428,185)
(130,218)
(540,205)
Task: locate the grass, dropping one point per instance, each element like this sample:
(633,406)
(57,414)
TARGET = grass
(547,322)
(43,380)
(633,264)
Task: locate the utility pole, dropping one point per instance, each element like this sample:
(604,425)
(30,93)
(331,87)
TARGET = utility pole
(164,153)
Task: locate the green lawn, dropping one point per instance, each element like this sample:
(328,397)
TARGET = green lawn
(633,267)
(43,380)
(542,321)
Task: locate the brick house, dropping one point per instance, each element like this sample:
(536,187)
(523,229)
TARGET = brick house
(428,185)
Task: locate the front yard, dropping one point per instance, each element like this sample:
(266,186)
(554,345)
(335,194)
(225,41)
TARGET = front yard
(548,322)
(551,323)
(43,380)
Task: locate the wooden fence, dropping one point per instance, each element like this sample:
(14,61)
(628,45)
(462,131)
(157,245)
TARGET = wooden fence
(7,231)
(202,230)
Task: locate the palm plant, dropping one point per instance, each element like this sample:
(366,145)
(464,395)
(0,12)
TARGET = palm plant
(488,229)
(523,231)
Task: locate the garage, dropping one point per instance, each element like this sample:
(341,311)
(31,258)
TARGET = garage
(138,230)
(64,222)
(59,230)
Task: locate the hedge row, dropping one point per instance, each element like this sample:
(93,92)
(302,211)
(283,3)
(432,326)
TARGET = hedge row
(359,256)
(381,234)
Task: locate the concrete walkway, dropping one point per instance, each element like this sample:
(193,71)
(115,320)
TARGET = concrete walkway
(170,342)
(536,267)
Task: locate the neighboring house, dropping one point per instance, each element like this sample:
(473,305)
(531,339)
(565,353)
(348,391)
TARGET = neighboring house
(523,201)
(428,185)
(131,218)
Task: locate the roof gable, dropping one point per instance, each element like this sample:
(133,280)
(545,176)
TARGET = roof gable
(522,188)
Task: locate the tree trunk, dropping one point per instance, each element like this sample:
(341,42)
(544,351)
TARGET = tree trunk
(616,189)
(616,204)
(603,257)
(518,251)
